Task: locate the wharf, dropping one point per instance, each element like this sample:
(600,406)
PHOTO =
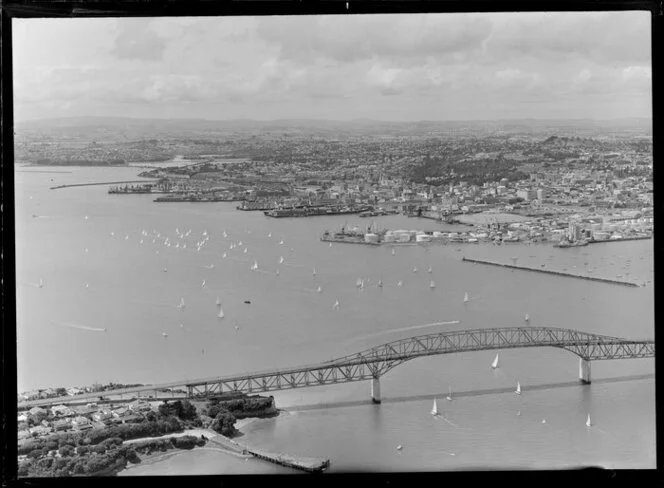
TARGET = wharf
(559,273)
(196,199)
(310,465)
(348,240)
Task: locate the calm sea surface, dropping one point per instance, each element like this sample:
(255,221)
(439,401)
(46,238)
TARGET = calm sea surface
(288,323)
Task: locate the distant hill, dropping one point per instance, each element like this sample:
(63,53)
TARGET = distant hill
(137,128)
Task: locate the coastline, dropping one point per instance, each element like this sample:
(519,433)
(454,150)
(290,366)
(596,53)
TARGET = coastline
(216,443)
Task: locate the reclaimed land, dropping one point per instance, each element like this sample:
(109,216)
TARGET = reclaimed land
(559,273)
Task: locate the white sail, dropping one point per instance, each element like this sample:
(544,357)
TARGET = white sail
(518,388)
(319,289)
(414,270)
(527,318)
(400,283)
(218,301)
(449,394)
(277,272)
(239,243)
(380,283)
(221,313)
(224,255)
(336,304)
(164,334)
(203,284)
(330,244)
(41,283)
(269,234)
(314,272)
(494,364)
(432,284)
(588,423)
(245,250)
(393,252)
(281,242)
(434,410)
(181,303)
(281,260)
(254,266)
(465,297)
(429,270)
(358,283)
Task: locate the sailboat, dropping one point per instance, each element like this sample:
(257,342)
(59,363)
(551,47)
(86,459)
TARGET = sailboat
(449,394)
(203,284)
(518,388)
(494,364)
(362,285)
(254,266)
(281,242)
(225,234)
(432,284)
(224,255)
(281,260)
(181,303)
(358,283)
(380,284)
(329,245)
(164,334)
(319,290)
(414,270)
(527,318)
(221,313)
(434,410)
(218,301)
(269,234)
(245,250)
(588,423)
(314,272)
(336,304)
(277,272)
(400,283)
(393,252)
(239,243)
(41,283)
(465,298)
(429,270)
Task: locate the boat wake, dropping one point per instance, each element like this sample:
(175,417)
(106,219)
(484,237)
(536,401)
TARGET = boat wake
(75,326)
(405,329)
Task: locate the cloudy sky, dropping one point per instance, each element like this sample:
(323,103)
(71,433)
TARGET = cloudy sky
(383,67)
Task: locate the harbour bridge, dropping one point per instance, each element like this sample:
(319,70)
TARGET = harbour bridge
(373,363)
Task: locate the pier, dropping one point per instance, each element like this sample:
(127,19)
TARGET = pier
(637,238)
(310,465)
(95,184)
(559,273)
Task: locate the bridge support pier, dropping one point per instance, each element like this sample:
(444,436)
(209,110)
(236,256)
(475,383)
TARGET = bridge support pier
(584,371)
(375,390)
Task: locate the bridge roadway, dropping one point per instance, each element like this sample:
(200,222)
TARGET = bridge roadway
(372,363)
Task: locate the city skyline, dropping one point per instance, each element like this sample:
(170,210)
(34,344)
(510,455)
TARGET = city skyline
(397,68)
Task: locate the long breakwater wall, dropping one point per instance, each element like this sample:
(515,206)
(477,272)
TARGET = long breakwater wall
(99,183)
(559,273)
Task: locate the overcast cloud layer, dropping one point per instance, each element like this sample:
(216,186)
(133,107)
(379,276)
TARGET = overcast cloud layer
(384,67)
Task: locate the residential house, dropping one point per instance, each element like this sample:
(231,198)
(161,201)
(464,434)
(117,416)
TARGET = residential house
(132,418)
(102,415)
(62,411)
(40,431)
(140,406)
(37,411)
(121,412)
(63,424)
(85,410)
(23,417)
(74,391)
(81,423)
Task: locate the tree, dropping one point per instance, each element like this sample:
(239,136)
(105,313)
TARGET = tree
(224,423)
(66,451)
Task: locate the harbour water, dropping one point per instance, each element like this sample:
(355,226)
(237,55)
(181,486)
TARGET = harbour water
(289,322)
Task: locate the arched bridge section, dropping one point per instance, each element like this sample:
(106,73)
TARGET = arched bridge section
(372,363)
(375,362)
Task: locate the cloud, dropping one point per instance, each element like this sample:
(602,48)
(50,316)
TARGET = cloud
(136,40)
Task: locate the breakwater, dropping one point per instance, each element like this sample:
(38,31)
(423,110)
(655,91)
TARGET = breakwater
(549,271)
(94,184)
(638,238)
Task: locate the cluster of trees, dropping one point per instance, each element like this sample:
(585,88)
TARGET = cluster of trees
(85,462)
(183,442)
(40,446)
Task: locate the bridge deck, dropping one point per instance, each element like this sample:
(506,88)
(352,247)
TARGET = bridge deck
(376,361)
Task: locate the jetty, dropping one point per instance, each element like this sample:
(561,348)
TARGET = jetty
(310,465)
(549,271)
(635,238)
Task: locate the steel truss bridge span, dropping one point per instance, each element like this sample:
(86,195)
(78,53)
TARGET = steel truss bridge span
(372,363)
